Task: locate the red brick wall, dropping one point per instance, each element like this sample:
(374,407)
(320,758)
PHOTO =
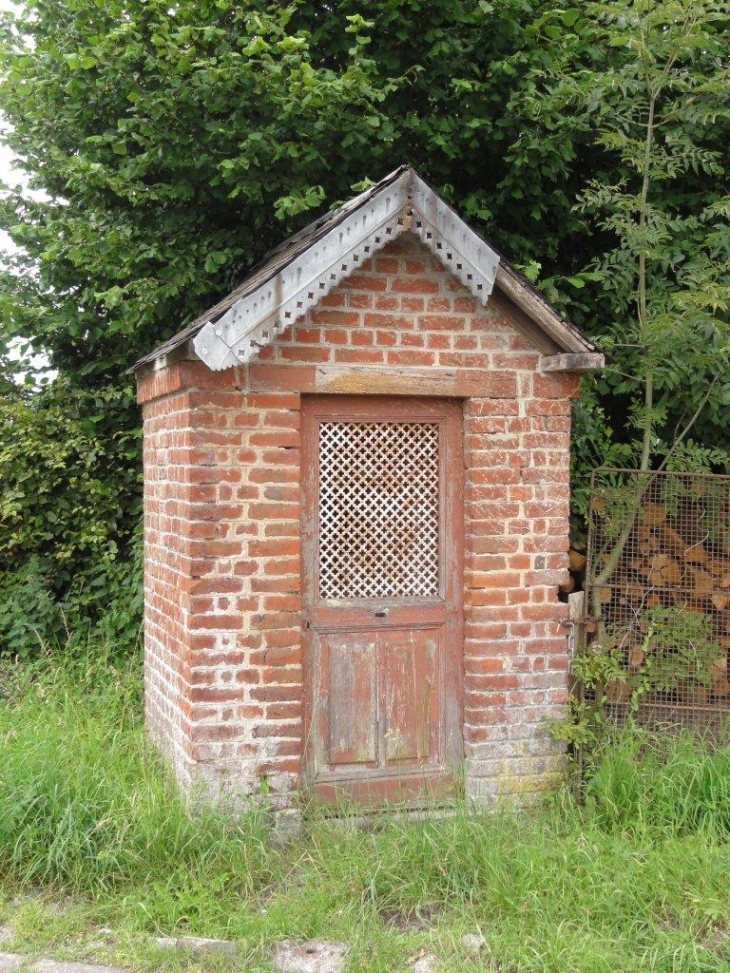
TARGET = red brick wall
(222,527)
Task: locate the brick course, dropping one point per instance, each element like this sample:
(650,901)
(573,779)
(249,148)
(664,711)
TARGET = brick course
(222,526)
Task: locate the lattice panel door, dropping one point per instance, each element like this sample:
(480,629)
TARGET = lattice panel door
(378,509)
(382,643)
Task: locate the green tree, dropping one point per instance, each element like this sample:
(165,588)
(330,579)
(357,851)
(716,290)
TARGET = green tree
(660,106)
(176,143)
(69,509)
(657,103)
(173,145)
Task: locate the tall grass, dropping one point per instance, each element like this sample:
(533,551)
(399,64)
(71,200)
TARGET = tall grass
(673,781)
(634,878)
(84,804)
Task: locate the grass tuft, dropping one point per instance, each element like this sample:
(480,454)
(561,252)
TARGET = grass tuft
(672,782)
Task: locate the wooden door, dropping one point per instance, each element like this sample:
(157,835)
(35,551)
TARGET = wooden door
(382,624)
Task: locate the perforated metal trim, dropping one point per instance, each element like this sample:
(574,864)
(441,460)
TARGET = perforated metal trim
(255,321)
(456,245)
(378,509)
(407,204)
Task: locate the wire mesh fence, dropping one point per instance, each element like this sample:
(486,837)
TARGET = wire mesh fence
(658,594)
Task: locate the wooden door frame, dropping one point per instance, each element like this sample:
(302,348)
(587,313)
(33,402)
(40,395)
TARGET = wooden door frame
(449,413)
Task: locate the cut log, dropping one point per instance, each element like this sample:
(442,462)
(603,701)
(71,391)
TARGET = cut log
(696,554)
(689,553)
(702,582)
(568,586)
(718,675)
(618,691)
(650,545)
(636,655)
(631,591)
(604,594)
(653,514)
(719,567)
(665,571)
(725,580)
(674,540)
(576,560)
(721,600)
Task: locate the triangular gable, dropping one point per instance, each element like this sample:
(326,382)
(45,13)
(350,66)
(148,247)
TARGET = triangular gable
(297,275)
(368,225)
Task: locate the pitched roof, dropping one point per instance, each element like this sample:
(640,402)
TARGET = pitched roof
(298,273)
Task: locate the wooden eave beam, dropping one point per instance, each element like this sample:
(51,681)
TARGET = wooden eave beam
(565,337)
(585,362)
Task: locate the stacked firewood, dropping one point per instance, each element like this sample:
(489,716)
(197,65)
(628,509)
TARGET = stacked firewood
(675,567)
(577,568)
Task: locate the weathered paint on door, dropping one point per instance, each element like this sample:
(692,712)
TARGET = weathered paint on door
(382,625)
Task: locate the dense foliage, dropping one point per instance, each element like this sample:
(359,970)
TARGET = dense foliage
(175,143)
(661,274)
(69,509)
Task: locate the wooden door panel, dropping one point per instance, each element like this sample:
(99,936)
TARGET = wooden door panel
(349,699)
(409,687)
(382,536)
(373,790)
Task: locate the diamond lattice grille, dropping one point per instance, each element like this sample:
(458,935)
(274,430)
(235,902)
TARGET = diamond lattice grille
(378,509)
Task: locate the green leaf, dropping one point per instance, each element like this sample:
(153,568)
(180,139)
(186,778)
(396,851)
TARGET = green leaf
(80,62)
(214,260)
